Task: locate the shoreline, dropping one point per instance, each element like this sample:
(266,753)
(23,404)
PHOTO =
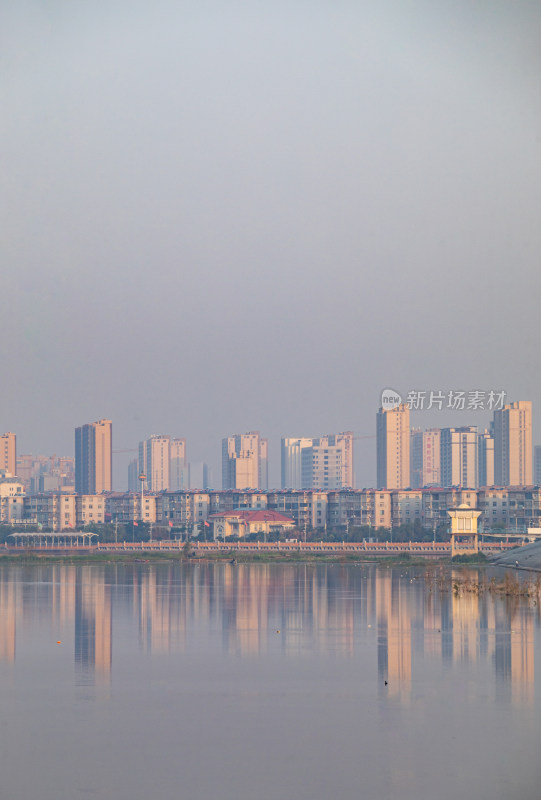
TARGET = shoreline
(231,556)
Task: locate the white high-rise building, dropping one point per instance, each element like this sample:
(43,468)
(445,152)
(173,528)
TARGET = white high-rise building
(459,457)
(245,461)
(292,450)
(154,455)
(179,471)
(324,463)
(163,462)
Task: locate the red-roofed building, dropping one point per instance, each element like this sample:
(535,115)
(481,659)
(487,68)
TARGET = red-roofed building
(243,522)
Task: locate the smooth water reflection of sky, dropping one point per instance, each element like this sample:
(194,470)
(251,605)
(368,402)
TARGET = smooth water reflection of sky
(267,681)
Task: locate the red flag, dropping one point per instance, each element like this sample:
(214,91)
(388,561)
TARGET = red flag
(136,523)
(207,524)
(170,524)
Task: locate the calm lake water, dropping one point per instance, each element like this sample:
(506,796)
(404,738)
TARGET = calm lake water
(257,681)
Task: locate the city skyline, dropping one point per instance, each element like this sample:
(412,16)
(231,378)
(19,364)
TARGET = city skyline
(424,457)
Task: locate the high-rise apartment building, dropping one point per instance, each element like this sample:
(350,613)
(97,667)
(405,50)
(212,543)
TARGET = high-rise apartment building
(8,453)
(134,484)
(425,458)
(94,457)
(163,462)
(245,461)
(322,463)
(393,447)
(179,471)
(200,475)
(513,444)
(459,457)
(292,450)
(485,443)
(154,462)
(537,465)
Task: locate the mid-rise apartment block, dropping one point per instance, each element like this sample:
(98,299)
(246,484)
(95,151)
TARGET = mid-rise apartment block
(55,511)
(94,457)
(11,500)
(125,507)
(513,444)
(365,507)
(89,509)
(393,448)
(245,461)
(510,508)
(406,507)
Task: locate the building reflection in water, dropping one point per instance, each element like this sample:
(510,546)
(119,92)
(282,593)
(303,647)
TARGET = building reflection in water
(323,608)
(10,601)
(393,609)
(93,622)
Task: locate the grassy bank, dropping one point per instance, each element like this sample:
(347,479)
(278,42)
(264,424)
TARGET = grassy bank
(239,557)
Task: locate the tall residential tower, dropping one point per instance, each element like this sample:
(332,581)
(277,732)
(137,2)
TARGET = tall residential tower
(393,447)
(459,457)
(513,444)
(425,459)
(324,463)
(245,461)
(163,461)
(8,453)
(94,457)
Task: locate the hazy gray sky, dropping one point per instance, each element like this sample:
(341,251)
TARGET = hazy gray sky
(219,217)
